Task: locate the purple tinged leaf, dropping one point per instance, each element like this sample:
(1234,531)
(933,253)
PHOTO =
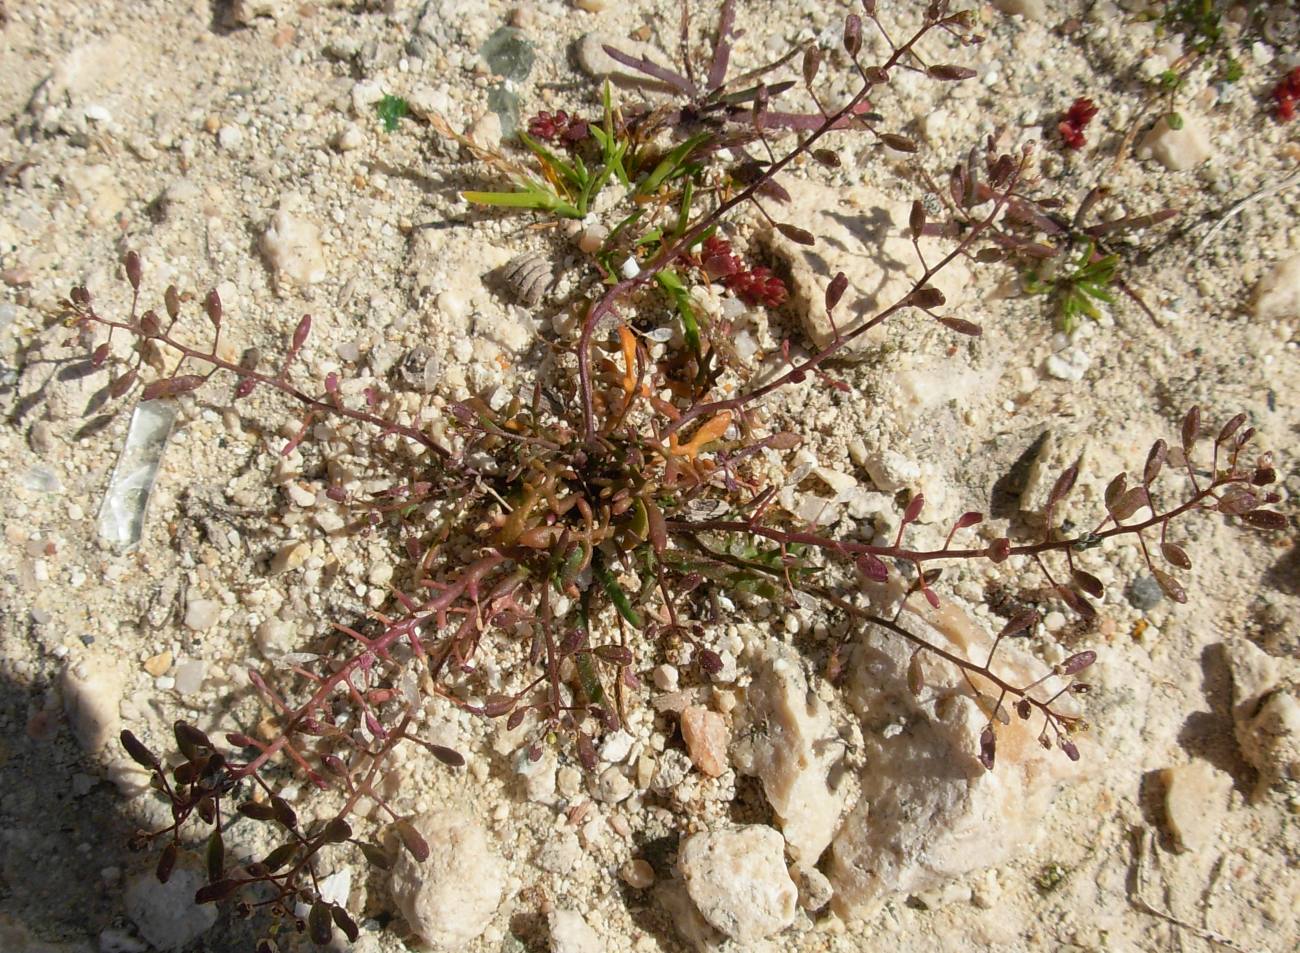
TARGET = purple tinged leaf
(1264,519)
(961,326)
(336,831)
(166,862)
(415,844)
(722,48)
(133,270)
(950,74)
(1175,555)
(1170,586)
(138,752)
(649,68)
(99,356)
(1063,485)
(586,751)
(613,654)
(1115,489)
(1088,583)
(899,143)
(320,925)
(149,325)
(1076,602)
(914,508)
(931,597)
(999,550)
(852,34)
(1230,428)
(172,301)
(1129,503)
(988,747)
(915,677)
(212,305)
(916,219)
(1024,709)
(1021,624)
(869,7)
(172,387)
(300,333)
(256,811)
(1237,500)
(280,856)
(967,520)
(497,705)
(215,856)
(709,661)
(872,567)
(344,922)
(835,290)
(1077,662)
(827,157)
(795,234)
(926,298)
(1155,460)
(211,893)
(1070,749)
(375,855)
(1191,429)
(812,61)
(283,813)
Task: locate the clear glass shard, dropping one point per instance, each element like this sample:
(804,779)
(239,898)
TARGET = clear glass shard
(121,515)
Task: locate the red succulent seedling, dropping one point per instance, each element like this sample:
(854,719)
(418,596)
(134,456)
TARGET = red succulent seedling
(1286,94)
(1075,121)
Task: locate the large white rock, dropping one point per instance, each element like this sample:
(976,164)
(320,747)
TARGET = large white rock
(862,233)
(1265,715)
(788,742)
(293,247)
(1196,799)
(738,881)
(450,898)
(166,914)
(1277,296)
(92,695)
(1177,149)
(929,811)
(570,933)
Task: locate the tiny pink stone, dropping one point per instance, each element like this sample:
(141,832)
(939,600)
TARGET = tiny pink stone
(706,735)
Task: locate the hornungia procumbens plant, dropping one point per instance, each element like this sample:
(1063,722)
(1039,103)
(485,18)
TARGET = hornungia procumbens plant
(585,527)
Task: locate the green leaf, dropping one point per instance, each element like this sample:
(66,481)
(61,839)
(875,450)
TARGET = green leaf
(672,283)
(391,110)
(615,593)
(537,200)
(549,158)
(671,164)
(589,678)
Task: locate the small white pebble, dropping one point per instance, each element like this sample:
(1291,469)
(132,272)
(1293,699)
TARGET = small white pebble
(230,137)
(201,614)
(349,139)
(665,678)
